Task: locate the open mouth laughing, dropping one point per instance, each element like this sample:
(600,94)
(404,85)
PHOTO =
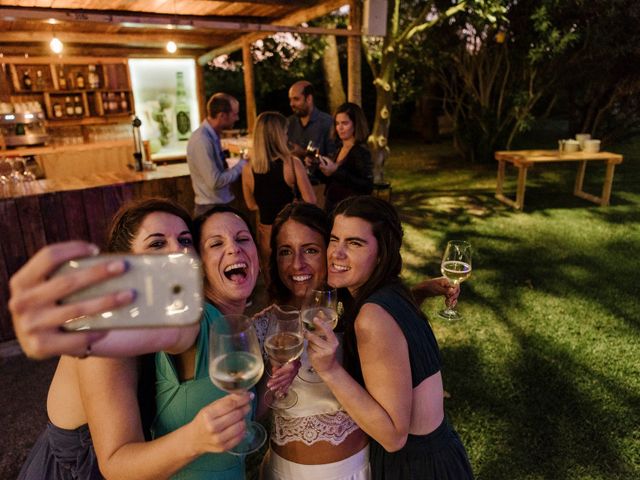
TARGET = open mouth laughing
(236,272)
(335,267)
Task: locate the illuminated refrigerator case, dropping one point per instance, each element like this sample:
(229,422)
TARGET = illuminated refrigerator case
(166,102)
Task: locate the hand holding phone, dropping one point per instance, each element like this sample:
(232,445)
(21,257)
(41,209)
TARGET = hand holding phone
(168,292)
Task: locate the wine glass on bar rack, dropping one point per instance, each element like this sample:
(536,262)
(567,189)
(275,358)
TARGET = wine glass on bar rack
(284,343)
(235,365)
(321,303)
(456,267)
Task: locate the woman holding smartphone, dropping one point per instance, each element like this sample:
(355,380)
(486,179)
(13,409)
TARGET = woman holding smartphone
(391,384)
(102,392)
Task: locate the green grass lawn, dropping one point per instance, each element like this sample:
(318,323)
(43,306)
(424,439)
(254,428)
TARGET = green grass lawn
(544,371)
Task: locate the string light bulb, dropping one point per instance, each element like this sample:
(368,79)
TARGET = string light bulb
(171,46)
(56,45)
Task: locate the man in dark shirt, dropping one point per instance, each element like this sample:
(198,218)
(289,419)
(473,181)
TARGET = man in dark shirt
(308,123)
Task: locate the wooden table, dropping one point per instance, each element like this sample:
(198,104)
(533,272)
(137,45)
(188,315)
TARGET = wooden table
(523,159)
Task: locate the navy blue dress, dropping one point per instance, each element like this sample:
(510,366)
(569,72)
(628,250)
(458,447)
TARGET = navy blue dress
(438,455)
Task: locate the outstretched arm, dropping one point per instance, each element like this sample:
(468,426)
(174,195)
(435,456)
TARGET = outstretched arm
(434,287)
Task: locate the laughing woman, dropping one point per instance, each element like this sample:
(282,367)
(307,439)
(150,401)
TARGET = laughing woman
(391,384)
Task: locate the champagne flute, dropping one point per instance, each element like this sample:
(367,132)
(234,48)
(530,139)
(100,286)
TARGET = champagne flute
(456,267)
(284,343)
(320,303)
(235,365)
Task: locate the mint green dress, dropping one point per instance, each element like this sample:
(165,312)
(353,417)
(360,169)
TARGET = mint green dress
(178,403)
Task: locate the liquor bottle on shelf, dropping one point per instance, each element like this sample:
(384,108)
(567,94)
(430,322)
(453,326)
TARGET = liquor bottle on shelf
(113,103)
(105,102)
(68,107)
(39,80)
(62,81)
(79,80)
(27,83)
(71,82)
(93,78)
(183,119)
(124,105)
(77,109)
(57,110)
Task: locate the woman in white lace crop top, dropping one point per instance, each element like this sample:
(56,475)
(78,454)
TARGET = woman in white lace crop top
(315,438)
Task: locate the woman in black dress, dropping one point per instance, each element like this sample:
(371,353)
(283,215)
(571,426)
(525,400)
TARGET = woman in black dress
(391,384)
(350,172)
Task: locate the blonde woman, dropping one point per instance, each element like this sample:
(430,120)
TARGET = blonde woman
(273,178)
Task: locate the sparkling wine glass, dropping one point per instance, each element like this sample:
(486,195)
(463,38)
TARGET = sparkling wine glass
(456,267)
(319,303)
(284,343)
(235,365)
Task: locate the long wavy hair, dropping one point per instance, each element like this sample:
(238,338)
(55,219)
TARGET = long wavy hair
(269,141)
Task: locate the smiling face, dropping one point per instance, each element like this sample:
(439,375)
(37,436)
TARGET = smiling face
(344,126)
(230,261)
(162,232)
(300,254)
(352,253)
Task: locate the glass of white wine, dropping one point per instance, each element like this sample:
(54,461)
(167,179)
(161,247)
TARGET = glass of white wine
(456,267)
(321,303)
(284,343)
(235,365)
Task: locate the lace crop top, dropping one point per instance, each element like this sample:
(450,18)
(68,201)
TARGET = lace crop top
(317,416)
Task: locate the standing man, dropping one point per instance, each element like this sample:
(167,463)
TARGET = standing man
(308,123)
(211,177)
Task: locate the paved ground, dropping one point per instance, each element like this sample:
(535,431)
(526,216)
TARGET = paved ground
(23,415)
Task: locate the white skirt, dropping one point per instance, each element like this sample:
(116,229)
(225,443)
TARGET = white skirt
(356,467)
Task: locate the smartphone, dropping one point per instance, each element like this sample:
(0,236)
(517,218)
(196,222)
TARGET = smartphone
(168,292)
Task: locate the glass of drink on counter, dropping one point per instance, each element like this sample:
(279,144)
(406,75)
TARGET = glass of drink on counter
(235,365)
(322,304)
(284,343)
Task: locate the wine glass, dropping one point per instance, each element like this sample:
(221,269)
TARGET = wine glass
(284,343)
(319,303)
(235,365)
(456,267)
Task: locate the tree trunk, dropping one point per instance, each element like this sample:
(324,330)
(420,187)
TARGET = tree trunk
(332,76)
(384,100)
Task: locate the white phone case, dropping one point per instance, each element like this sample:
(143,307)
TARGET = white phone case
(168,292)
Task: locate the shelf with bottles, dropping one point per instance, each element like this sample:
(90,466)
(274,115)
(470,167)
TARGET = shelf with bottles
(29,78)
(111,103)
(76,77)
(66,105)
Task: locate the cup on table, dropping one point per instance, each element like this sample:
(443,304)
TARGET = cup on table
(581,138)
(592,146)
(571,146)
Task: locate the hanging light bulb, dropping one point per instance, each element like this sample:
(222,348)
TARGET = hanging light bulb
(171,46)
(56,45)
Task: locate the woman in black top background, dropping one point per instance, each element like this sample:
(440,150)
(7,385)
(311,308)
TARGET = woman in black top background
(350,172)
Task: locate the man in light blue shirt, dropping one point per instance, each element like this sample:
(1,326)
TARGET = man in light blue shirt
(211,177)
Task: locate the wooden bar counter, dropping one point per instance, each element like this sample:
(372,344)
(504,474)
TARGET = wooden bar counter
(34,214)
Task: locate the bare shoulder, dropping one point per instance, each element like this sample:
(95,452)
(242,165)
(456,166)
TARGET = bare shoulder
(374,319)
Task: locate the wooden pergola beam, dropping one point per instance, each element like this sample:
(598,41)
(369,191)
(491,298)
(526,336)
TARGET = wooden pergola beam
(133,39)
(289,23)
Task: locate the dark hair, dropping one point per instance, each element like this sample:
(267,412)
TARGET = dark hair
(127,220)
(219,103)
(356,115)
(306,214)
(387,229)
(203,217)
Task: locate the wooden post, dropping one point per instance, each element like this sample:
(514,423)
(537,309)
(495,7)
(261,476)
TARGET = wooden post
(354,54)
(202,98)
(249,89)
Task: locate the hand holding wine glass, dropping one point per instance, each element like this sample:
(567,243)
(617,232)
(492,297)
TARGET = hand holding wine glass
(321,304)
(456,267)
(283,344)
(235,365)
